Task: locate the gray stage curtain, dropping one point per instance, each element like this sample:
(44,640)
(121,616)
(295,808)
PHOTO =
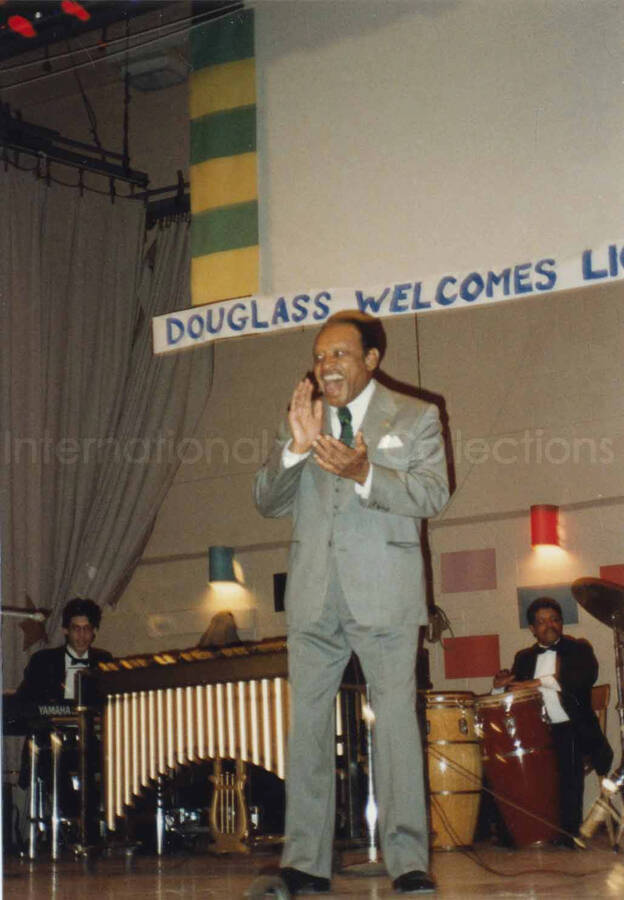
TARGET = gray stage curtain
(81,394)
(164,399)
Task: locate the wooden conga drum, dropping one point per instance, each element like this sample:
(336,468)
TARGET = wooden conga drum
(520,764)
(454,768)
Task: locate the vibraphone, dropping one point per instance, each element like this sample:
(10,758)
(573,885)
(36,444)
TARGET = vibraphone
(170,709)
(178,707)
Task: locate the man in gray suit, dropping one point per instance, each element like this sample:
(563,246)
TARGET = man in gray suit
(357,470)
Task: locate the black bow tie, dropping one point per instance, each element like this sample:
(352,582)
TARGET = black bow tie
(554,647)
(75,661)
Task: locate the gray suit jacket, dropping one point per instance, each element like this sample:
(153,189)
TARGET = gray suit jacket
(375,542)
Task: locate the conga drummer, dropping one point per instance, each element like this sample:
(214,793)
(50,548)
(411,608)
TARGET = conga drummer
(564,670)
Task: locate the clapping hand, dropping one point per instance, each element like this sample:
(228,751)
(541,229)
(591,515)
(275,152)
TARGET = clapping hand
(347,462)
(305,417)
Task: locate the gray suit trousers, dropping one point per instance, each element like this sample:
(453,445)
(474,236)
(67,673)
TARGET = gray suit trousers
(318,653)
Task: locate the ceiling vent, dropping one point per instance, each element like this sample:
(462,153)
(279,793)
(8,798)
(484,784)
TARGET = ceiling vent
(155,73)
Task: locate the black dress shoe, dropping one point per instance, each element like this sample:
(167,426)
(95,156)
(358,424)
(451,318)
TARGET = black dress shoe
(299,882)
(414,882)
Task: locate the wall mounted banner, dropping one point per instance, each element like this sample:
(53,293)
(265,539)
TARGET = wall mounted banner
(261,314)
(224,185)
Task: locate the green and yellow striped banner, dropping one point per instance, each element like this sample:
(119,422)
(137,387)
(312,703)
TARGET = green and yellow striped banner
(224,183)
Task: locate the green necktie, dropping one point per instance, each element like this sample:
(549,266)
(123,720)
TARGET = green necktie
(346,432)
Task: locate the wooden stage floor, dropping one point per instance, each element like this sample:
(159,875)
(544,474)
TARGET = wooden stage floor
(487,872)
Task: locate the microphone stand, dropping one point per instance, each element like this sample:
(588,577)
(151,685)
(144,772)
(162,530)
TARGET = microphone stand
(13,612)
(373,866)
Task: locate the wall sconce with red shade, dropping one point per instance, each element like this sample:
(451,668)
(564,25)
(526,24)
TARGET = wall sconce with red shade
(544,525)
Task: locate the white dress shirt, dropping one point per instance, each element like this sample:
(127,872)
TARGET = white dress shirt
(70,672)
(545,669)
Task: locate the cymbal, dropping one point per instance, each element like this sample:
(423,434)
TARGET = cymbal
(602,599)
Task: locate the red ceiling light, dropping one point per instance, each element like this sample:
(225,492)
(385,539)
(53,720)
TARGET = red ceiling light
(544,525)
(72,8)
(22,26)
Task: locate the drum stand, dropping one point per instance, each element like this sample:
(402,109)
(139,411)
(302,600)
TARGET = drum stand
(605,808)
(618,645)
(605,601)
(36,818)
(35,803)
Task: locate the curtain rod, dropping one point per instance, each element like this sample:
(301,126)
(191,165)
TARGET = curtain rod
(50,146)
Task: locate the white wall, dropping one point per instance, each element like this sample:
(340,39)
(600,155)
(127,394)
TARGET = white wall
(401,138)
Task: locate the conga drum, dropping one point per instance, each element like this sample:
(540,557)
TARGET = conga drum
(520,764)
(454,768)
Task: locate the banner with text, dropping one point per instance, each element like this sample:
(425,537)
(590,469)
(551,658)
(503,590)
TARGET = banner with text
(261,314)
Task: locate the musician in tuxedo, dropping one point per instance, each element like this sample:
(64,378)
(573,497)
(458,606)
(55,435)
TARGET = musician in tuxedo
(564,669)
(50,678)
(357,469)
(50,674)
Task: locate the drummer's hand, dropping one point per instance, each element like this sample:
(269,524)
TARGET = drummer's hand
(521,685)
(503,678)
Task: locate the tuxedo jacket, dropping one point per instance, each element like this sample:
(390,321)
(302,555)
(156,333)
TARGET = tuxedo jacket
(577,670)
(374,543)
(44,676)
